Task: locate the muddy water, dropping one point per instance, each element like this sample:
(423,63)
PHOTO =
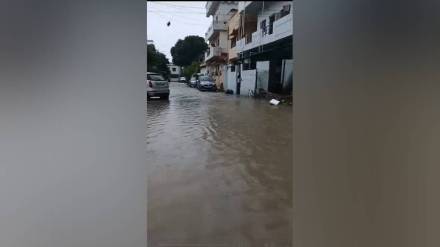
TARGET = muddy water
(220,170)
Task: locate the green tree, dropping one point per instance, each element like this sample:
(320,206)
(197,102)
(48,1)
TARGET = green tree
(188,50)
(188,71)
(157,61)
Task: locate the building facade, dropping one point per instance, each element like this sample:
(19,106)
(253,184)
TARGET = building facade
(203,69)
(260,38)
(176,72)
(216,56)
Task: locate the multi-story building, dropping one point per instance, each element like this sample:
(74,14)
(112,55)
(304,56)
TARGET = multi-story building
(260,48)
(203,69)
(217,36)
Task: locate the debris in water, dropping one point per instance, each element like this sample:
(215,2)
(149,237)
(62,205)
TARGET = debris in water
(274,102)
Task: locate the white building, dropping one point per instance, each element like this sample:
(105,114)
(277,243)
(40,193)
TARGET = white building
(217,37)
(262,41)
(176,72)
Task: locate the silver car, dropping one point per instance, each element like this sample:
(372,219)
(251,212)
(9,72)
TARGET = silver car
(157,86)
(206,83)
(193,82)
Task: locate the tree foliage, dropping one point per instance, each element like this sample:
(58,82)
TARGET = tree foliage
(188,50)
(188,71)
(157,61)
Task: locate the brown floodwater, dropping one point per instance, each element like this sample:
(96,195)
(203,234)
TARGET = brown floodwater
(219,170)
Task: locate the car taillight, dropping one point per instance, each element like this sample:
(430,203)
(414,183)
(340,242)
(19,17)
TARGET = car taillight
(149,83)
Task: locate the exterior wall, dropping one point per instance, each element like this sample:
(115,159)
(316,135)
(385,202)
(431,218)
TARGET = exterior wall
(174,74)
(231,80)
(282,27)
(233,24)
(203,70)
(223,12)
(223,40)
(269,9)
(177,68)
(262,75)
(248,81)
(221,16)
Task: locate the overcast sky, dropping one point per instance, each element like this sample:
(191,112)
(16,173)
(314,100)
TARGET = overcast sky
(187,18)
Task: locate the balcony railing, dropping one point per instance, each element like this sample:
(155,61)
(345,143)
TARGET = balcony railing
(282,28)
(213,52)
(242,5)
(215,26)
(211,6)
(232,54)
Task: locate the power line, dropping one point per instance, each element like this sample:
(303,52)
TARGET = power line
(180,21)
(180,16)
(168,18)
(183,12)
(178,6)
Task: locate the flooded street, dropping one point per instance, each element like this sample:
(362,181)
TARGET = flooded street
(219,170)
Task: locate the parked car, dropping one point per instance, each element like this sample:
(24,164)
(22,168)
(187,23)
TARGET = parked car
(182,79)
(206,83)
(157,86)
(192,82)
(173,78)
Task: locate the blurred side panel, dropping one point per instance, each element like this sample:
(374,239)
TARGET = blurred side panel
(366,123)
(72,123)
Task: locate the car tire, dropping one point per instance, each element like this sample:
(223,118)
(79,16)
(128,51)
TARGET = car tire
(148,97)
(166,97)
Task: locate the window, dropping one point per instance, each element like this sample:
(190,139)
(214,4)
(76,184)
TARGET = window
(249,64)
(233,68)
(248,38)
(174,69)
(271,20)
(233,42)
(205,78)
(285,11)
(263,27)
(155,77)
(253,65)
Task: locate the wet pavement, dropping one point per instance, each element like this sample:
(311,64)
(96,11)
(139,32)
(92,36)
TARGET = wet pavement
(219,170)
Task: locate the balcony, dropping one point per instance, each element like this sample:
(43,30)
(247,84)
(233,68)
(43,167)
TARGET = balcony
(252,7)
(282,28)
(232,55)
(211,7)
(215,27)
(242,5)
(213,52)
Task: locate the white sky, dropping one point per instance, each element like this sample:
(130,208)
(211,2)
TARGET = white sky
(187,18)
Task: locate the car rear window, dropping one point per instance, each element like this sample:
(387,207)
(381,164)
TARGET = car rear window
(205,78)
(155,77)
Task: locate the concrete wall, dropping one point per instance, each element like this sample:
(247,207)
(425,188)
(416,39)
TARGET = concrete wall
(248,81)
(178,70)
(269,9)
(203,70)
(222,14)
(223,40)
(231,80)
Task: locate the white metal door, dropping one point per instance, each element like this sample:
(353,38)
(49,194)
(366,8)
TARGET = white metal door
(262,75)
